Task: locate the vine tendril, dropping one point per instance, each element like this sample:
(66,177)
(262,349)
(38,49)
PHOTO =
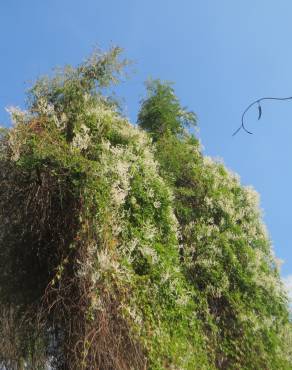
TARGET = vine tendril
(258,101)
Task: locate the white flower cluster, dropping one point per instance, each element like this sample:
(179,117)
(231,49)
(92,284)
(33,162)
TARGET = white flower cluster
(16,114)
(44,107)
(232,218)
(119,165)
(16,137)
(81,139)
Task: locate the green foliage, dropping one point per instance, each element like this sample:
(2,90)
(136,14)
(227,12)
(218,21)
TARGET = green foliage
(161,113)
(119,254)
(225,252)
(88,241)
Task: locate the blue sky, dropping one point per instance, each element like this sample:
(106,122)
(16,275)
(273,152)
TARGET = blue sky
(221,55)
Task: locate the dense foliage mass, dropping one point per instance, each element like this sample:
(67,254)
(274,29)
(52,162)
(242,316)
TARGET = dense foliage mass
(123,247)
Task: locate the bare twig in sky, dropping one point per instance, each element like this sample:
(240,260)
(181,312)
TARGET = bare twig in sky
(258,102)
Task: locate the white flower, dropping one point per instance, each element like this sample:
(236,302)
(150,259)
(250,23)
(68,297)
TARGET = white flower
(157,204)
(288,286)
(82,139)
(150,193)
(118,194)
(149,252)
(16,114)
(106,262)
(44,107)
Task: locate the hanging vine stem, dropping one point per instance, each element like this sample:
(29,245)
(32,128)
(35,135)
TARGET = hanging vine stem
(258,102)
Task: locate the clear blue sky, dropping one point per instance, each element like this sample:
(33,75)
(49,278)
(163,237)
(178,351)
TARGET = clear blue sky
(220,54)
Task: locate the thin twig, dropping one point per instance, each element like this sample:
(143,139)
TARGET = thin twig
(258,101)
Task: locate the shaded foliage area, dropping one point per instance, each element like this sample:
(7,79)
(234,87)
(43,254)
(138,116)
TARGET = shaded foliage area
(124,249)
